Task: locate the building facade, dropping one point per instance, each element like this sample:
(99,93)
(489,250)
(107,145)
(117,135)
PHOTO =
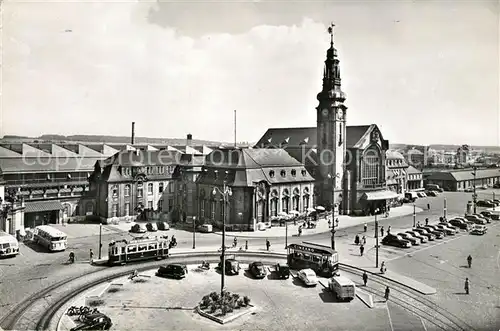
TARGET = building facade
(263,182)
(397,168)
(464,179)
(415,179)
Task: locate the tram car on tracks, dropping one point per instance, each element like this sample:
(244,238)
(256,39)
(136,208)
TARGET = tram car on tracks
(137,249)
(322,259)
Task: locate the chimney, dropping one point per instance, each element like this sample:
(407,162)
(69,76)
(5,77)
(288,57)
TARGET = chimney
(189,139)
(132,140)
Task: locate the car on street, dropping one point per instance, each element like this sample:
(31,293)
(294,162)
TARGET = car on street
(138,228)
(459,224)
(430,236)
(308,277)
(406,236)
(450,231)
(282,270)
(232,266)
(491,215)
(479,229)
(398,241)
(438,234)
(476,220)
(151,227)
(469,190)
(163,226)
(487,219)
(257,269)
(421,194)
(172,270)
(205,228)
(485,203)
(432,193)
(423,239)
(496,201)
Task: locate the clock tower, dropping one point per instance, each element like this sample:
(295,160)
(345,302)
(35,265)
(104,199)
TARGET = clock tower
(331,131)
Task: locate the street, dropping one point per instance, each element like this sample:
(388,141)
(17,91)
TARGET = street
(438,264)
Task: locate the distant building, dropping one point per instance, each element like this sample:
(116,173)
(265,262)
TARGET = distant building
(397,170)
(460,180)
(415,179)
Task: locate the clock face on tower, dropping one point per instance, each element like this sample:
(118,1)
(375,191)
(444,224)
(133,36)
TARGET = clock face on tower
(325,112)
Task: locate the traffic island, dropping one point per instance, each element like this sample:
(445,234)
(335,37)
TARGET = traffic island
(226,309)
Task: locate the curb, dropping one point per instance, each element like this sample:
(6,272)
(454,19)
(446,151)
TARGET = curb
(224,320)
(365,297)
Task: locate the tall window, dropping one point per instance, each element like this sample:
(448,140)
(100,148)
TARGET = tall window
(139,190)
(150,188)
(274,206)
(114,210)
(305,202)
(127,209)
(170,187)
(115,191)
(160,187)
(370,167)
(160,205)
(150,204)
(127,190)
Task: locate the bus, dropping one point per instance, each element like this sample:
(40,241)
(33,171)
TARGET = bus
(47,236)
(322,259)
(8,245)
(137,249)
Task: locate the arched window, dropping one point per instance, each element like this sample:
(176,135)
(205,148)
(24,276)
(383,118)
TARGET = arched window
(370,173)
(285,201)
(274,203)
(127,190)
(296,199)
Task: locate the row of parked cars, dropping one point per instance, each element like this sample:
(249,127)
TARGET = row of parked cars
(490,203)
(163,226)
(475,223)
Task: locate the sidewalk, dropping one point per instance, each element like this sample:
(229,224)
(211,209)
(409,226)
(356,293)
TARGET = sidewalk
(345,221)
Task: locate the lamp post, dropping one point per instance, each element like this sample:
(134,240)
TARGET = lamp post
(335,224)
(474,195)
(286,234)
(100,239)
(226,193)
(494,204)
(444,209)
(376,239)
(414,216)
(194,232)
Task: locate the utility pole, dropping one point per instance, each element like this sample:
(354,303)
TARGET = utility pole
(414,216)
(444,209)
(194,232)
(335,224)
(286,234)
(100,239)
(494,204)
(376,239)
(474,196)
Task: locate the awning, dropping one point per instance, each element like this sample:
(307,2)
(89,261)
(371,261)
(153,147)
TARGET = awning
(41,206)
(380,195)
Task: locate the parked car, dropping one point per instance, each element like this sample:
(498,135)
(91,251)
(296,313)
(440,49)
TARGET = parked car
(308,276)
(496,201)
(496,185)
(492,216)
(423,239)
(485,203)
(257,269)
(282,270)
(162,226)
(406,236)
(96,321)
(459,224)
(398,241)
(421,194)
(430,236)
(151,227)
(431,193)
(479,229)
(343,288)
(487,219)
(205,228)
(491,202)
(476,220)
(438,234)
(138,228)
(173,270)
(448,230)
(469,190)
(232,266)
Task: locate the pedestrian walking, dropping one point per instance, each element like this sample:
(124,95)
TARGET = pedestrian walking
(418,224)
(246,245)
(365,227)
(268,244)
(381,231)
(365,278)
(469,261)
(356,240)
(428,206)
(426,221)
(387,292)
(329,223)
(361,249)
(389,230)
(466,286)
(91,253)
(300,230)
(363,240)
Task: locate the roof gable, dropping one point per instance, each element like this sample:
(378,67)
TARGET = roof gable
(5,152)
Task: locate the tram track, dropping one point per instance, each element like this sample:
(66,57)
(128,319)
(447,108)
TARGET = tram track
(38,311)
(414,302)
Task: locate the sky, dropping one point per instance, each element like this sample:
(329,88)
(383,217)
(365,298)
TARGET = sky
(424,71)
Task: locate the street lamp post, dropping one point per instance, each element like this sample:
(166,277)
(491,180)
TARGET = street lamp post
(100,239)
(332,177)
(494,204)
(444,209)
(376,239)
(474,195)
(414,216)
(335,224)
(226,193)
(194,232)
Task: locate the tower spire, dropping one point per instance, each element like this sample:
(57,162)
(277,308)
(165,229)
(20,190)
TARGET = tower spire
(330,31)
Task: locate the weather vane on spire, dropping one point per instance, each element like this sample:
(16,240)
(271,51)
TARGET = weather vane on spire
(330,31)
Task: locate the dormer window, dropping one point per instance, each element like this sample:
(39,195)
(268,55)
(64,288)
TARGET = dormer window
(294,172)
(283,173)
(304,172)
(271,173)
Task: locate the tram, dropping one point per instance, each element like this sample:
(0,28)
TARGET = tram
(322,259)
(137,249)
